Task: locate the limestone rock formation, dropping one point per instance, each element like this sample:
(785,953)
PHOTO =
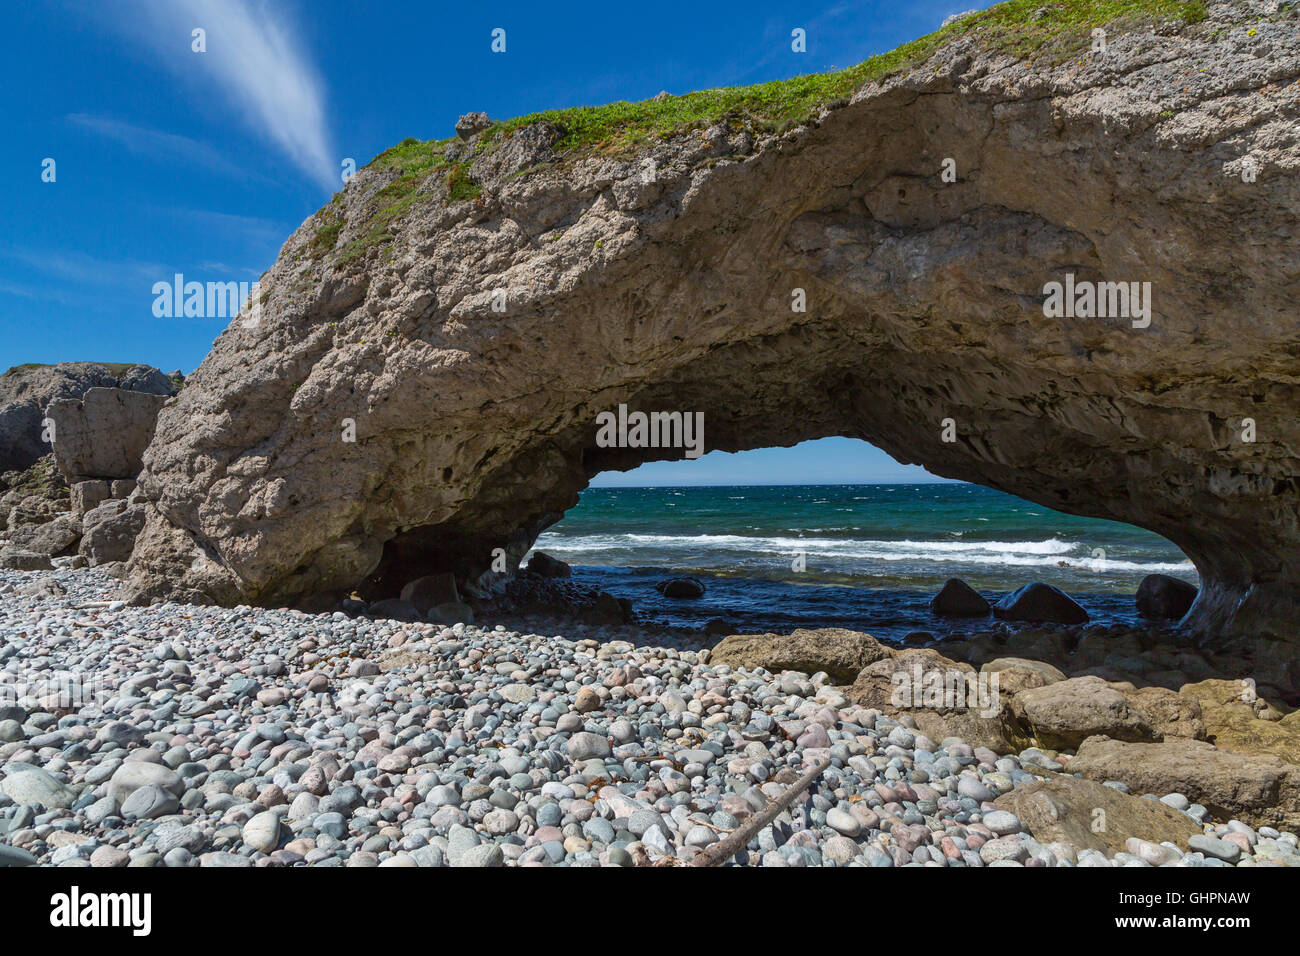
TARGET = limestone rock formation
(103,434)
(1259,789)
(1238,719)
(842,654)
(27,390)
(32,496)
(1061,715)
(1065,809)
(465,310)
(1017,673)
(109,531)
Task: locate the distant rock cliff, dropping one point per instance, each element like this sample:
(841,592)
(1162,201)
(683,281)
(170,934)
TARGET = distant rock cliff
(26,391)
(469,308)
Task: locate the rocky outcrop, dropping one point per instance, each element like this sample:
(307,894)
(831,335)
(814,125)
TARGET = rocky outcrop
(1089,815)
(1063,714)
(840,653)
(103,435)
(26,391)
(528,286)
(49,538)
(1261,790)
(1236,718)
(109,531)
(32,496)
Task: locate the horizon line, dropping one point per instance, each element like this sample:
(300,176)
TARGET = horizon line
(804,484)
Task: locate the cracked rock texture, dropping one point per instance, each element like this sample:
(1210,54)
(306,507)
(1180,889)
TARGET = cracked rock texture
(476,428)
(27,390)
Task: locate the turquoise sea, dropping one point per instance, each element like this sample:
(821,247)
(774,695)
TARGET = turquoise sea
(872,555)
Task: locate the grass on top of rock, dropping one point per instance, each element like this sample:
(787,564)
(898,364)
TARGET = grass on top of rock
(415,162)
(1021,28)
(113,368)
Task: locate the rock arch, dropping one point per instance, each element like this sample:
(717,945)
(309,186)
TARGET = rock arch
(475,427)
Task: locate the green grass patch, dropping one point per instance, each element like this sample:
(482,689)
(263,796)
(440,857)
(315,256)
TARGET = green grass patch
(326,238)
(460,185)
(1026,29)
(113,368)
(1015,27)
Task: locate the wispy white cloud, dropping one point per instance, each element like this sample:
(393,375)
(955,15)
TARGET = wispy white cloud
(255,59)
(80,268)
(156,144)
(252,230)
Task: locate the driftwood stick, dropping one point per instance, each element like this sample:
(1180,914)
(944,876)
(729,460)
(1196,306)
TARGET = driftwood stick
(718,853)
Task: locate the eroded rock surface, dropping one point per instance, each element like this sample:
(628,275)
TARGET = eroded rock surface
(103,434)
(27,390)
(475,427)
(1088,815)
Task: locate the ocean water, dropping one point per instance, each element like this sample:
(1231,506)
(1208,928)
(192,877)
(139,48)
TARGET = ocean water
(867,557)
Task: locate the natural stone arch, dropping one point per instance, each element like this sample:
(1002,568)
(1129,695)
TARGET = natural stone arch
(476,427)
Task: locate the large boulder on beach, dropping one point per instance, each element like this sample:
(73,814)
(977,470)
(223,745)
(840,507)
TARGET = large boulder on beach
(945,698)
(840,653)
(50,538)
(104,433)
(1238,719)
(20,559)
(1259,789)
(1018,673)
(1062,714)
(1040,603)
(958,599)
(1163,597)
(108,532)
(1091,816)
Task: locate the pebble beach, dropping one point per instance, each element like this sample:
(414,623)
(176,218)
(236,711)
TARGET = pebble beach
(184,736)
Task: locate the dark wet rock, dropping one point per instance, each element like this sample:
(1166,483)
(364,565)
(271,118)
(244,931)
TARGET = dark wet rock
(547,566)
(683,588)
(1040,603)
(1161,596)
(430,591)
(958,599)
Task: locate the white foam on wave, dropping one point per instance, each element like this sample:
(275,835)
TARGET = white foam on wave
(1048,552)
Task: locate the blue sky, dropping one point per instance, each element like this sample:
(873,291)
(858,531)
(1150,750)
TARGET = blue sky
(170,161)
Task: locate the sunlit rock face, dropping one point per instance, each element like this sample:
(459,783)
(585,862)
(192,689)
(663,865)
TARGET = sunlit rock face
(674,285)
